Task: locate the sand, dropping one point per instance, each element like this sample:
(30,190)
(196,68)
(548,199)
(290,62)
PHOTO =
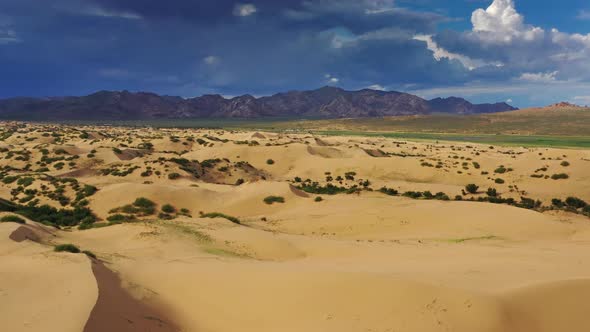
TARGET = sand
(350,262)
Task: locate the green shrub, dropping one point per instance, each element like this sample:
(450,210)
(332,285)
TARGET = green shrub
(221,215)
(575,202)
(413,194)
(274,199)
(499,181)
(173,176)
(117,150)
(120,218)
(471,188)
(144,203)
(12,218)
(559,176)
(389,191)
(565,163)
(67,248)
(500,170)
(270,162)
(167,208)
(318,199)
(492,192)
(557,202)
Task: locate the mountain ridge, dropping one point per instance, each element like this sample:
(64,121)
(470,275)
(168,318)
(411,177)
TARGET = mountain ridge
(325,102)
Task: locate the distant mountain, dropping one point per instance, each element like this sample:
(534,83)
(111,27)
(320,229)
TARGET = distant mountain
(326,102)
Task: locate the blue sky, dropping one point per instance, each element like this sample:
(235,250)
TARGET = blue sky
(523,51)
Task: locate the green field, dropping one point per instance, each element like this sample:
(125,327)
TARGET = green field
(509,140)
(541,128)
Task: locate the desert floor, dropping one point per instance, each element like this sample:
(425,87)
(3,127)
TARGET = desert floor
(358,260)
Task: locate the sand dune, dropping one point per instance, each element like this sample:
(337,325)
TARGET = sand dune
(254,252)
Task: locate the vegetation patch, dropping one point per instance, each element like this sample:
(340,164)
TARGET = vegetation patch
(221,215)
(274,199)
(67,248)
(12,218)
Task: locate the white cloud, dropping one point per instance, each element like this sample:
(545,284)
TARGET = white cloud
(583,15)
(501,22)
(331,79)
(243,10)
(539,77)
(440,53)
(7,36)
(376,87)
(7,33)
(107,13)
(212,60)
(582,99)
(501,36)
(509,100)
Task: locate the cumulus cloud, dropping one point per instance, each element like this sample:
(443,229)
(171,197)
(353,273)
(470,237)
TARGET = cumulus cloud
(246,9)
(501,35)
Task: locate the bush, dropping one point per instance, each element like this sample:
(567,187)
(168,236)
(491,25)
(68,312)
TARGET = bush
(471,188)
(63,217)
(274,199)
(413,194)
(499,181)
(270,162)
(500,170)
(492,192)
(318,199)
(167,208)
(12,218)
(565,163)
(575,202)
(173,176)
(144,203)
(120,218)
(559,176)
(389,191)
(67,248)
(557,202)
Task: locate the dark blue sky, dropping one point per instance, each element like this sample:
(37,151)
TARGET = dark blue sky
(527,52)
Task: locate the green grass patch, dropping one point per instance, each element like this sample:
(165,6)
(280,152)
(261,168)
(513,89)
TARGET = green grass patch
(12,218)
(67,248)
(480,238)
(221,215)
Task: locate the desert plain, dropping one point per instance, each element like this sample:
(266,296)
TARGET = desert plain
(110,228)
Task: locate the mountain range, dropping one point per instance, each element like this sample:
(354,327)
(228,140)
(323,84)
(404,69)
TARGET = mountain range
(326,102)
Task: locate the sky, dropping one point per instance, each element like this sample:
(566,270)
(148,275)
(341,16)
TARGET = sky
(526,52)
